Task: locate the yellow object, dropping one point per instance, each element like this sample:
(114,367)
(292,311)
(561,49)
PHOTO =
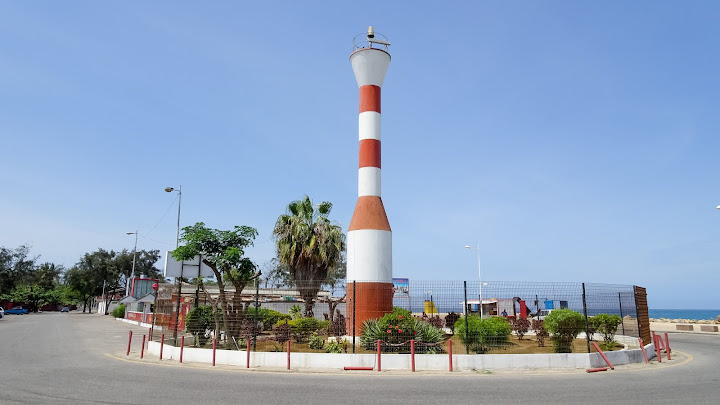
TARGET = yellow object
(430,308)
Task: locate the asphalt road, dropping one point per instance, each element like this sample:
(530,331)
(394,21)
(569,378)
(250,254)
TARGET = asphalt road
(75,358)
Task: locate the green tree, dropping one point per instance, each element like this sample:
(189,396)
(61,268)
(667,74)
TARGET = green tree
(224,253)
(46,276)
(483,334)
(607,325)
(15,267)
(82,285)
(32,296)
(144,264)
(199,320)
(310,245)
(102,270)
(564,325)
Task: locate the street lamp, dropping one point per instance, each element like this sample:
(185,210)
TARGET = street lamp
(177,234)
(132,273)
(177,244)
(479,279)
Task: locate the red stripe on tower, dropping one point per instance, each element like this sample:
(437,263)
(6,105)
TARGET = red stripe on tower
(369,98)
(370,153)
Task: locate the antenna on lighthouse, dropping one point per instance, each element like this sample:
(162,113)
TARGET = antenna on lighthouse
(371,37)
(365,40)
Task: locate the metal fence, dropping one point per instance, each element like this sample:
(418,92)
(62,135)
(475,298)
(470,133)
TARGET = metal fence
(428,316)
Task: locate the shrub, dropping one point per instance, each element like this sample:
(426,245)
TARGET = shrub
(401,311)
(282,332)
(450,320)
(540,333)
(484,333)
(267,316)
(198,321)
(521,327)
(316,341)
(334,346)
(396,329)
(301,328)
(119,311)
(338,326)
(436,321)
(295,312)
(564,325)
(607,325)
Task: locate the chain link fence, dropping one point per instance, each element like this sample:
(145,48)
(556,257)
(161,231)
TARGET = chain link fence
(421,316)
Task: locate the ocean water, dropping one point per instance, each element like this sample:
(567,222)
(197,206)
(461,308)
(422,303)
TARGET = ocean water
(697,314)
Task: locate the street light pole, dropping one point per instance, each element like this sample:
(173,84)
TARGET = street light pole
(132,272)
(479,279)
(177,279)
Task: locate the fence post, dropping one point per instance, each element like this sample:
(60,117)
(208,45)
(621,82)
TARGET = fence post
(450,353)
(162,343)
(129,342)
(467,329)
(288,347)
(182,346)
(177,306)
(353,309)
(149,336)
(587,325)
(412,354)
(257,308)
(142,349)
(621,313)
(378,355)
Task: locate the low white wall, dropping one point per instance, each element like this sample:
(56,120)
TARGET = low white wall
(143,324)
(461,362)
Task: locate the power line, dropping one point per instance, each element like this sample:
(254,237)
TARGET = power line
(161,219)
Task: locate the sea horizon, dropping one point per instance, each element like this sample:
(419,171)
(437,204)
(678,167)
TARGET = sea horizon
(694,314)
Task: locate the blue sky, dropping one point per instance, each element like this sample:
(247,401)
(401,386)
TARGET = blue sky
(571,141)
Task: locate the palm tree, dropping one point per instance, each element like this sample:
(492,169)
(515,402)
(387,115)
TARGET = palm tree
(309,245)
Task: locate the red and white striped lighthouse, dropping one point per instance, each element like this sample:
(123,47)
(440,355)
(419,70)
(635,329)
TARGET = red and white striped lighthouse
(369,241)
